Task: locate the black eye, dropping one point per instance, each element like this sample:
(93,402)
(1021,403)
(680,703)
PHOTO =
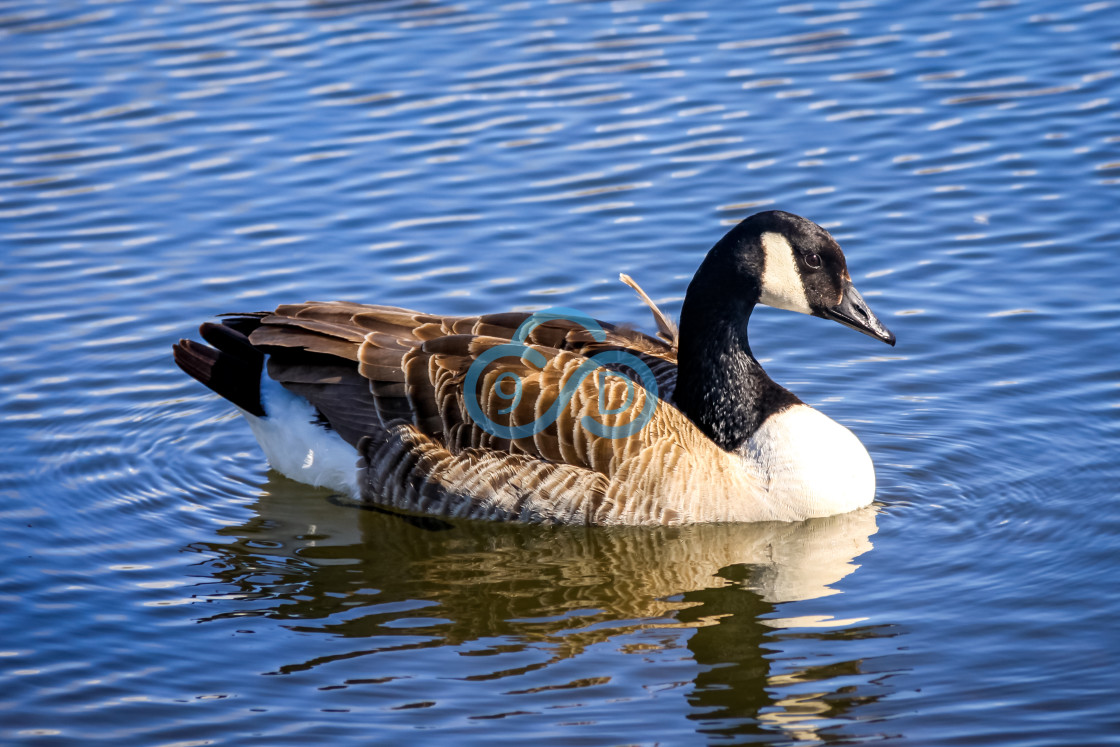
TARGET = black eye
(813,260)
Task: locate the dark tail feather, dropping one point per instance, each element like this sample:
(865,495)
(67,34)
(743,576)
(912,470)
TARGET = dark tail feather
(232,368)
(231,341)
(244,322)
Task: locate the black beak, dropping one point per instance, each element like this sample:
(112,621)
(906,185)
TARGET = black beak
(852,312)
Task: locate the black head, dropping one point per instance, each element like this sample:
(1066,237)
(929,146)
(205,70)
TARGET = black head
(792,263)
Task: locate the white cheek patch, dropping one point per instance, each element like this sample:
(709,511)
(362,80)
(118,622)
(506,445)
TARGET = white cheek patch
(781,282)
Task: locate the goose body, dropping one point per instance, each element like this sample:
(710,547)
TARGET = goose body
(555,417)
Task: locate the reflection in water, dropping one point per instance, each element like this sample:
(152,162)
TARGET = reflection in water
(160,161)
(320,564)
(740,691)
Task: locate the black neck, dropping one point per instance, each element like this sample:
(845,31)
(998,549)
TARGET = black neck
(720,385)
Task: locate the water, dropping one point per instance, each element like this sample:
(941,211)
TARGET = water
(160,163)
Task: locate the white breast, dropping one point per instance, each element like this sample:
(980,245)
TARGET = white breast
(812,465)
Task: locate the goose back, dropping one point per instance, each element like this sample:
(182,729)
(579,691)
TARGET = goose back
(391,382)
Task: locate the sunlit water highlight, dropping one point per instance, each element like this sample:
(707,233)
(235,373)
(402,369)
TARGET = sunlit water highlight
(160,163)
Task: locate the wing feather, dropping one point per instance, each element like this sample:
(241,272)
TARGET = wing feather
(393,382)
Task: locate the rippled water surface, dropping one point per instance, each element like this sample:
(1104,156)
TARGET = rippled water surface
(163,162)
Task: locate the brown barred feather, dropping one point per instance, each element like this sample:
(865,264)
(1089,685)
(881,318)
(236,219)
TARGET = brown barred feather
(392,382)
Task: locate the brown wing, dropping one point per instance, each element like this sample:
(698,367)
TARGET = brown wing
(394,383)
(577,463)
(398,385)
(315,348)
(546,402)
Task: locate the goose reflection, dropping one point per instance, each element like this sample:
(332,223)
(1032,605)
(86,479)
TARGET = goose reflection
(318,563)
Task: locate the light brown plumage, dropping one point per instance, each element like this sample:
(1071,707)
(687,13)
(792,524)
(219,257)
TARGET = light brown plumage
(391,382)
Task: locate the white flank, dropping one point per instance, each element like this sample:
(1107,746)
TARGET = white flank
(781,282)
(813,465)
(298,448)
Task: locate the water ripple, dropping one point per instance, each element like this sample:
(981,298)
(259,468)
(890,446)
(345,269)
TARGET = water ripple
(160,163)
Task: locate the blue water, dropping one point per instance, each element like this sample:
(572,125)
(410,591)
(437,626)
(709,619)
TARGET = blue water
(163,162)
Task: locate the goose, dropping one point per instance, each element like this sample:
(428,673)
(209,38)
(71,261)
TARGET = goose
(554,417)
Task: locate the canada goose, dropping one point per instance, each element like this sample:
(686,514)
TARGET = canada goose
(393,407)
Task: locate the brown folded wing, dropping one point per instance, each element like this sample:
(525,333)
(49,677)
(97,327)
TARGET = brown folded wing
(393,382)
